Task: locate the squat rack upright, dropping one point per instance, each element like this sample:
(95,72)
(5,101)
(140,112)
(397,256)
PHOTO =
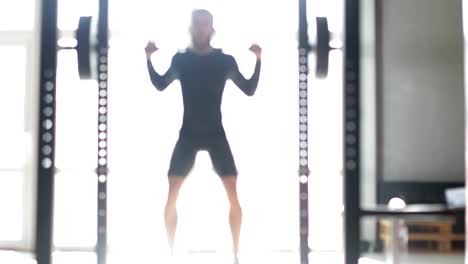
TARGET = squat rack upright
(85,48)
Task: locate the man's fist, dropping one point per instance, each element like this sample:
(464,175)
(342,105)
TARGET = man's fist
(150,49)
(256,50)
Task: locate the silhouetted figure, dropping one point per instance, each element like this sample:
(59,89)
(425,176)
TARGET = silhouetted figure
(203,71)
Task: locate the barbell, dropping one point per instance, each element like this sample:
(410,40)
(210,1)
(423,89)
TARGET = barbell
(87,48)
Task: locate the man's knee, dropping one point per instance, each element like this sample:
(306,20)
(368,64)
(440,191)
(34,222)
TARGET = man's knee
(235,205)
(175,184)
(230,182)
(171,200)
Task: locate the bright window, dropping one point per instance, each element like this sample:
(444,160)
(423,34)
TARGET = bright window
(11,201)
(262,130)
(13,141)
(12,105)
(17,15)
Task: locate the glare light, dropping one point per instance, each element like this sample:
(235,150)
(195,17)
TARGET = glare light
(366,260)
(397,203)
(66,42)
(336,44)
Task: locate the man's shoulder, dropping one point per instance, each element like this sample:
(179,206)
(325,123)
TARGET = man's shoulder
(180,53)
(179,57)
(224,54)
(215,51)
(185,56)
(226,57)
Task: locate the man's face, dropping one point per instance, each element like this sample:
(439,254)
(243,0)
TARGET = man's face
(201,29)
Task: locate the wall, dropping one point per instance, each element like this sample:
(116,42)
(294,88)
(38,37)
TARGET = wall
(412,94)
(421,100)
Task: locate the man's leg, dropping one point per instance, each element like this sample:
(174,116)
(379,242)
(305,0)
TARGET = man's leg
(182,161)
(225,167)
(235,211)
(170,210)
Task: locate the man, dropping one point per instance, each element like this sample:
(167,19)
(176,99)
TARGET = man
(203,71)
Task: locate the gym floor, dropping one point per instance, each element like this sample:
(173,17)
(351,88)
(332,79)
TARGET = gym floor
(11,257)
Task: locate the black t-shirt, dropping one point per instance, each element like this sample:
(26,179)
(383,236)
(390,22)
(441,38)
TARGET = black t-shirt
(202,78)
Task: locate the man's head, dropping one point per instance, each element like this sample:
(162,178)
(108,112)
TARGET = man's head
(201,28)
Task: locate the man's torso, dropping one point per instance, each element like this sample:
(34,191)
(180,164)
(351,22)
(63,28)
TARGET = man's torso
(202,78)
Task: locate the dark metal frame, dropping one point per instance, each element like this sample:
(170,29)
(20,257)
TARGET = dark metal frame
(351,132)
(46,133)
(102,169)
(304,48)
(379,101)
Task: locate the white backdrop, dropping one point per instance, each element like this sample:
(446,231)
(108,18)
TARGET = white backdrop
(144,124)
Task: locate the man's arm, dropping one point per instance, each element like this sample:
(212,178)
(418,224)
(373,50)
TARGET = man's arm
(248,86)
(161,82)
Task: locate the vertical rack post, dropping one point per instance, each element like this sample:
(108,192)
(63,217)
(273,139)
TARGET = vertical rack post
(46,133)
(351,133)
(102,168)
(303,134)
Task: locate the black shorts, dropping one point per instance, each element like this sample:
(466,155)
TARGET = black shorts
(186,148)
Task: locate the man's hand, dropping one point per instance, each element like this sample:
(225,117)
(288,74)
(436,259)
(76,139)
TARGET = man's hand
(256,50)
(150,49)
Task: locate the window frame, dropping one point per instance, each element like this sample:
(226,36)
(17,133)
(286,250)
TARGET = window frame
(28,38)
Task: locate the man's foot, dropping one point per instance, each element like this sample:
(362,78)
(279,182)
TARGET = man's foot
(236,260)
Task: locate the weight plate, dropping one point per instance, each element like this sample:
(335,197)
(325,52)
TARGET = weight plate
(323,47)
